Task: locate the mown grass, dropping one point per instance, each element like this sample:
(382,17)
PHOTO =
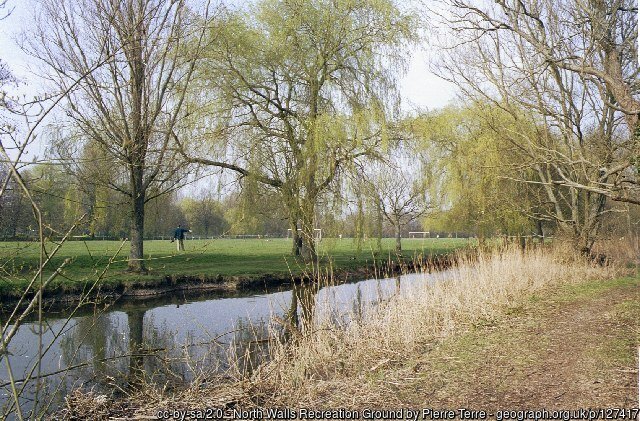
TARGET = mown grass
(203,258)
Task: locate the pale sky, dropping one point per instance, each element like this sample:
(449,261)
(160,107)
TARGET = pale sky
(10,29)
(420,89)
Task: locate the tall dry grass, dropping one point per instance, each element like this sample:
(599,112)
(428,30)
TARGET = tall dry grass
(620,249)
(332,364)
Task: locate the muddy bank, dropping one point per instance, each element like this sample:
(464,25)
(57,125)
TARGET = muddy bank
(145,289)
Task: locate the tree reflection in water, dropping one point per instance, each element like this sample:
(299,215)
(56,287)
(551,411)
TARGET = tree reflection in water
(135,318)
(97,340)
(175,341)
(300,316)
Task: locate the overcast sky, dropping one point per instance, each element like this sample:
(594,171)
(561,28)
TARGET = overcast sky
(420,89)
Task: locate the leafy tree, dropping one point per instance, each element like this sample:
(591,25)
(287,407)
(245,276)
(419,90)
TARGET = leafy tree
(572,66)
(164,214)
(14,210)
(477,168)
(255,210)
(304,87)
(49,186)
(205,216)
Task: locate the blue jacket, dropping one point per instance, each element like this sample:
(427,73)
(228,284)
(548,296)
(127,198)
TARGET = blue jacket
(178,234)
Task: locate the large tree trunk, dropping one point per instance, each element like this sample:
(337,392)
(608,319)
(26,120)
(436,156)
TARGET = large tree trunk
(583,244)
(137,149)
(308,250)
(301,215)
(291,203)
(136,255)
(295,236)
(396,228)
(296,244)
(590,228)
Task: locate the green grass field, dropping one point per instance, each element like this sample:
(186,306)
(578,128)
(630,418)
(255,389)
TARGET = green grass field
(203,258)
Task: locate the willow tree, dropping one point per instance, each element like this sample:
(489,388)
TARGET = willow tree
(124,70)
(568,71)
(304,88)
(477,168)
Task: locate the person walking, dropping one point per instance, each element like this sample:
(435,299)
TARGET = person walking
(178,235)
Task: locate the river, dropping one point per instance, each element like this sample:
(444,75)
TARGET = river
(174,339)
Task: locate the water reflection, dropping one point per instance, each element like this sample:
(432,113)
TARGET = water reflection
(303,303)
(135,319)
(177,340)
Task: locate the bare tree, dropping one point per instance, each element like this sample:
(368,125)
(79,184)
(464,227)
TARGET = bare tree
(5,78)
(583,47)
(3,5)
(20,122)
(399,187)
(131,104)
(546,65)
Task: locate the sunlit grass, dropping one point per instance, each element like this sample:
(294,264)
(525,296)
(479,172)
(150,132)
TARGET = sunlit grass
(202,258)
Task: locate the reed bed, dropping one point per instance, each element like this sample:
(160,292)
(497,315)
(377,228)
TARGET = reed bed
(333,364)
(339,365)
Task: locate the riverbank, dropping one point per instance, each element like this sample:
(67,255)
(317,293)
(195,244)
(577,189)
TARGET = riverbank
(507,331)
(189,286)
(207,265)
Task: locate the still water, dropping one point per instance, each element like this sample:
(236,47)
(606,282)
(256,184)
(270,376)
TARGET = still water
(172,340)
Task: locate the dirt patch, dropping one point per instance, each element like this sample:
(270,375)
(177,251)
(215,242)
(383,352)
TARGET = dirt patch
(575,347)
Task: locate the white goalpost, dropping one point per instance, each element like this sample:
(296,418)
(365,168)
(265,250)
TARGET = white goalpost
(424,234)
(317,233)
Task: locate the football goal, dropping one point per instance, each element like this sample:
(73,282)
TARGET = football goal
(419,234)
(317,233)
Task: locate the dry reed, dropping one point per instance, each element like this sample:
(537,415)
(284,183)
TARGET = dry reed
(332,364)
(329,365)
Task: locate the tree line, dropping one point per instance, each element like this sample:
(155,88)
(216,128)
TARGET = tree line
(62,201)
(298,102)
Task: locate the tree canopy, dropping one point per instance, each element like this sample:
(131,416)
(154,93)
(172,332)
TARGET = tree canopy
(303,90)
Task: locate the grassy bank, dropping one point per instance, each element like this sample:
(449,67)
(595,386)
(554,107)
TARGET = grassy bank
(203,259)
(504,331)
